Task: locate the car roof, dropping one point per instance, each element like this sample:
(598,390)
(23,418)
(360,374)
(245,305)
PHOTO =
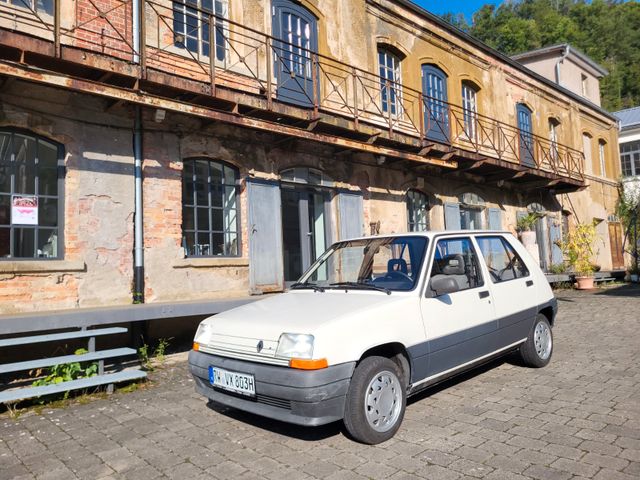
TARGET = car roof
(431,234)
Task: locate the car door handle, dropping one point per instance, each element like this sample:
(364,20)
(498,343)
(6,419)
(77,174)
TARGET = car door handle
(483,294)
(529,283)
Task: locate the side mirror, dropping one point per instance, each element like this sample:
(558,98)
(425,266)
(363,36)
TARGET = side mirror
(444,285)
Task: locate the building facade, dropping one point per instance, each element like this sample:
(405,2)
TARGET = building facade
(629,140)
(258,134)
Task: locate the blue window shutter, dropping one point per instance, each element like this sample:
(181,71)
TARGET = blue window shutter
(351,215)
(555,235)
(452,216)
(495,219)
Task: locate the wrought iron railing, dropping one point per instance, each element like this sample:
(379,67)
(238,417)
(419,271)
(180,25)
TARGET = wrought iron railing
(179,39)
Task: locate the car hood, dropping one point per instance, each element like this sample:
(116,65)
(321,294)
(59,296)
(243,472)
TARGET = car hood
(298,312)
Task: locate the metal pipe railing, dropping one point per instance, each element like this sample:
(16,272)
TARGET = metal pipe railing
(194,43)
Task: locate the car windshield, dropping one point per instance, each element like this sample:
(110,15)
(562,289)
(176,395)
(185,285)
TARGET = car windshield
(385,264)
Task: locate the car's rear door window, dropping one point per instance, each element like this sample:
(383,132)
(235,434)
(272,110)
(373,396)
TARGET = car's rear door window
(501,259)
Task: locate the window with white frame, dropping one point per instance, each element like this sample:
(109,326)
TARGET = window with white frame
(602,158)
(192,29)
(554,124)
(470,109)
(586,150)
(417,211)
(209,209)
(31,184)
(38,6)
(390,81)
(630,158)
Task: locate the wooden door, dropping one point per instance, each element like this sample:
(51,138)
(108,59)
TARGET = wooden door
(615,238)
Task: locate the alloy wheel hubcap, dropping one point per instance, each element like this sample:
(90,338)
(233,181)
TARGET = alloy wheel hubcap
(542,340)
(383,401)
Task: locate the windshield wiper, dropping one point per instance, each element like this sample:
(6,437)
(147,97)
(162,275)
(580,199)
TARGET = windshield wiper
(301,285)
(360,286)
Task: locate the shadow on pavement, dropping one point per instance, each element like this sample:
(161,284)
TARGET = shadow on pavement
(629,290)
(310,434)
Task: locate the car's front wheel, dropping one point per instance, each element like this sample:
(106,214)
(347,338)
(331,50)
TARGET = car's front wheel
(536,351)
(376,400)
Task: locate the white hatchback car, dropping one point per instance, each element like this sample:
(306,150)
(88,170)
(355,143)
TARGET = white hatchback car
(372,321)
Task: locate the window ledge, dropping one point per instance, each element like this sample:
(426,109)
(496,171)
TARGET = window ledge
(208,262)
(41,266)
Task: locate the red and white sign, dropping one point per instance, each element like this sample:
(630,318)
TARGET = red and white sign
(24,210)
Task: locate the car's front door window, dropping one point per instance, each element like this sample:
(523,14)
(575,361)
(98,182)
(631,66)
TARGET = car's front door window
(456,258)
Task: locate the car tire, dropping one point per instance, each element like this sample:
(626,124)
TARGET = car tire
(537,350)
(376,400)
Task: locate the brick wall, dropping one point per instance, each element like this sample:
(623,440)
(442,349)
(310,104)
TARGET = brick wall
(105,26)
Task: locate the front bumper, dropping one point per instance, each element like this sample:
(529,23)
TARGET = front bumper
(302,397)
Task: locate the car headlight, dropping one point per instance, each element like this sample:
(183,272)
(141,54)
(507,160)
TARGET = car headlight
(295,345)
(203,333)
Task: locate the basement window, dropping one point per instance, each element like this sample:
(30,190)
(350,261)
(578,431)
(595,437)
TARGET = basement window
(31,185)
(209,209)
(191,27)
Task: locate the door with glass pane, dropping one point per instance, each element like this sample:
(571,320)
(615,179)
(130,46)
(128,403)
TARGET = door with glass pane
(436,109)
(525,136)
(295,30)
(304,229)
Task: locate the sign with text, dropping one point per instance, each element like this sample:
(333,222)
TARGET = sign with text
(24,210)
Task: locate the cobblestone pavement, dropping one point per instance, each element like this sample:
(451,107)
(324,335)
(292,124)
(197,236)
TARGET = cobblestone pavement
(577,418)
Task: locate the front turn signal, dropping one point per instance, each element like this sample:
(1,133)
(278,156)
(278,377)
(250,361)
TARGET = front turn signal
(196,346)
(308,364)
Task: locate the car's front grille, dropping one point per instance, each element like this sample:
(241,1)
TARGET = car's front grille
(244,348)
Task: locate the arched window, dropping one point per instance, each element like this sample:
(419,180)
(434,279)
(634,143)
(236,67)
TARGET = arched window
(390,80)
(587,151)
(436,108)
(525,127)
(306,176)
(31,185)
(602,145)
(472,208)
(417,211)
(209,208)
(470,109)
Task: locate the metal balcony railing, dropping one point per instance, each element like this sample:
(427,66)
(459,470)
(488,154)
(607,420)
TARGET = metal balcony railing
(181,40)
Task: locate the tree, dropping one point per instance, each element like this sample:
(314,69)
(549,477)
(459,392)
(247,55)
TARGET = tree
(606,30)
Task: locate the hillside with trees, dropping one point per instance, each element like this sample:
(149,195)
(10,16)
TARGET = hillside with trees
(607,31)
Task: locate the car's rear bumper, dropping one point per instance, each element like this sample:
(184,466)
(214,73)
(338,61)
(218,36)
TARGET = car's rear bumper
(302,397)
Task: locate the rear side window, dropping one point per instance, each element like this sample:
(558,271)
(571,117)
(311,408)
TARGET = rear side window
(502,260)
(456,258)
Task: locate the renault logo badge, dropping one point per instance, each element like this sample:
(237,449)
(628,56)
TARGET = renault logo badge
(259,346)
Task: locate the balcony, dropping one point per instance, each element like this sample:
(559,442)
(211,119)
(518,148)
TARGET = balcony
(258,81)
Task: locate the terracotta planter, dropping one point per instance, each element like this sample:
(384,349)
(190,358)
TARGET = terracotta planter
(584,283)
(528,238)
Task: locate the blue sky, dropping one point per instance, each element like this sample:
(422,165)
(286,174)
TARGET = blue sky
(455,6)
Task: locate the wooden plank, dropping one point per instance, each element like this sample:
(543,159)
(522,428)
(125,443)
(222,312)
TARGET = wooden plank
(52,337)
(31,392)
(48,362)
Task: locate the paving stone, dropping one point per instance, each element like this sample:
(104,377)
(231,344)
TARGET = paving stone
(575,468)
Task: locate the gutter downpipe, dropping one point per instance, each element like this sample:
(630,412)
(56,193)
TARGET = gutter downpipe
(564,55)
(138,246)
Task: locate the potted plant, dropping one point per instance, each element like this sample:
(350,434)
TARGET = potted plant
(526,231)
(579,249)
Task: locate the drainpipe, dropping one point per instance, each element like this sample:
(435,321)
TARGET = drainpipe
(138,252)
(564,55)
(136,30)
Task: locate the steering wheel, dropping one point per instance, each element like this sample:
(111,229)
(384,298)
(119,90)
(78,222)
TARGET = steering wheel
(501,272)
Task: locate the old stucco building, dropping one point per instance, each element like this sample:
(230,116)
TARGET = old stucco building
(318,120)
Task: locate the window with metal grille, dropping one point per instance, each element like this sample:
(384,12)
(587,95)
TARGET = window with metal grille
(390,81)
(31,184)
(210,209)
(417,211)
(470,109)
(193,30)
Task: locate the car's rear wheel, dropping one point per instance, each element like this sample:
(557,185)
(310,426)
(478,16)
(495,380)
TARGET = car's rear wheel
(536,351)
(376,400)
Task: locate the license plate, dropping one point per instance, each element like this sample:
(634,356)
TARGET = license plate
(233,381)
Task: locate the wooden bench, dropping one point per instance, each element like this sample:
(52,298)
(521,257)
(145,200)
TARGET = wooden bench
(102,378)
